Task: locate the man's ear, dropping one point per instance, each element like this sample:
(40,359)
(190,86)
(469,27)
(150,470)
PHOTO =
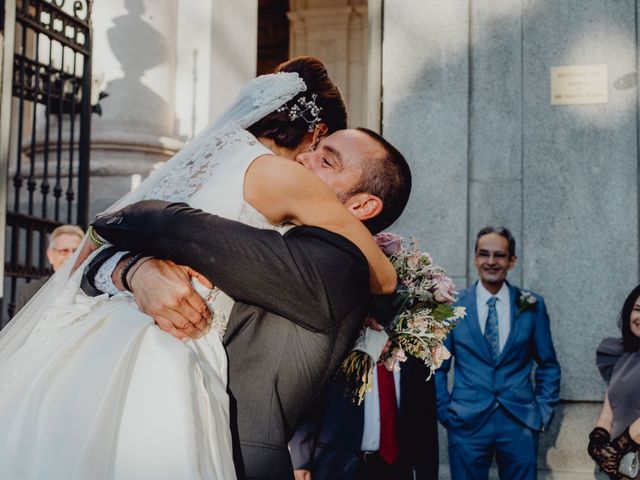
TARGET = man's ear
(512,262)
(319,132)
(364,206)
(50,253)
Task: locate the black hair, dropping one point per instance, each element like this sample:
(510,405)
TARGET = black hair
(630,342)
(502,231)
(388,178)
(289,133)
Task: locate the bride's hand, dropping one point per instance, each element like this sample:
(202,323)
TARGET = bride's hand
(163,290)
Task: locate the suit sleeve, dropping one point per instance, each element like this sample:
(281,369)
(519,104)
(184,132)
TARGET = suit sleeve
(302,444)
(310,276)
(547,375)
(443,397)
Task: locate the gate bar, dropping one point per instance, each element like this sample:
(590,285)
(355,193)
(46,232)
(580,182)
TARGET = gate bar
(6,87)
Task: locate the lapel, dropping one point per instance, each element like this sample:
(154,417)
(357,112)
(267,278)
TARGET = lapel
(473,323)
(513,297)
(405,384)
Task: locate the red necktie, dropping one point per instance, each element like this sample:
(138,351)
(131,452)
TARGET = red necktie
(389,444)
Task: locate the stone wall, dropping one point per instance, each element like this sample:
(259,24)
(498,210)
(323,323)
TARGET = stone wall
(469,104)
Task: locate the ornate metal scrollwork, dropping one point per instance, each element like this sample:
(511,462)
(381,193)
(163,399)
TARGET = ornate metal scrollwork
(82,9)
(50,168)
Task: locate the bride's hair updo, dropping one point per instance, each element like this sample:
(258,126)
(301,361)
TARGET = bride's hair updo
(289,133)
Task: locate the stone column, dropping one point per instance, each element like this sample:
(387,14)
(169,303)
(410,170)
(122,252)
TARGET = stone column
(134,60)
(169,68)
(234,47)
(194,55)
(335,31)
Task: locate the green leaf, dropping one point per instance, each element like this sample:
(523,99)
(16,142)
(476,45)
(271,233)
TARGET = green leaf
(442,312)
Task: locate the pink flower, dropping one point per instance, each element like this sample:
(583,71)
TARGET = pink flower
(396,356)
(439,334)
(443,289)
(389,243)
(439,354)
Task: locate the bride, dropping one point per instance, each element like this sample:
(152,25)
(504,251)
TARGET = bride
(80,396)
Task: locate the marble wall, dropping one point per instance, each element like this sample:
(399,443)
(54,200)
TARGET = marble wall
(471,109)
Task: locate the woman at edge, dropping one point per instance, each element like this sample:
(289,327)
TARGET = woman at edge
(48,382)
(619,362)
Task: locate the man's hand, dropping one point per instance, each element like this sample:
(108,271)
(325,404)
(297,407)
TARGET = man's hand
(302,474)
(372,323)
(163,291)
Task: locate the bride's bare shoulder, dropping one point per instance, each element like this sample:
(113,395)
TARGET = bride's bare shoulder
(276,187)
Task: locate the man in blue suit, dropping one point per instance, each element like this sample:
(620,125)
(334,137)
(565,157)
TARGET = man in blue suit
(493,408)
(344,441)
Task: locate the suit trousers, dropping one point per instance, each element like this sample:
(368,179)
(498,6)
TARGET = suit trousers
(514,445)
(374,468)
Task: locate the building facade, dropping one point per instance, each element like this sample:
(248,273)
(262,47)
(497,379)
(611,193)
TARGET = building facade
(464,89)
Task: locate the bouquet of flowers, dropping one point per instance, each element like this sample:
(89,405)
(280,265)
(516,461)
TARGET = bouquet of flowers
(424,316)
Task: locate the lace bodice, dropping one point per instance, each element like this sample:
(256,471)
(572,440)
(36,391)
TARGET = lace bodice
(184,179)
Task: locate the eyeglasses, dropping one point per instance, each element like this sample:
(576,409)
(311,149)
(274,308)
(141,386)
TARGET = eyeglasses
(64,251)
(496,255)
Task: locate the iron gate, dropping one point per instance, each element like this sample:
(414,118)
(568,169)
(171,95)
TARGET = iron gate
(48,156)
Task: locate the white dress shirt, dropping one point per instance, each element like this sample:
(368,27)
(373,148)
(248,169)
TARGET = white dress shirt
(371,431)
(503,307)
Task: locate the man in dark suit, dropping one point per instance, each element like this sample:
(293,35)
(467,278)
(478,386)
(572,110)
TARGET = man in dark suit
(345,441)
(494,409)
(299,300)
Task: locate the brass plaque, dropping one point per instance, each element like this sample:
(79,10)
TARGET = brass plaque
(579,84)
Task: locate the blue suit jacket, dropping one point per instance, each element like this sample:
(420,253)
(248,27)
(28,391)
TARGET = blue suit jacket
(480,381)
(328,445)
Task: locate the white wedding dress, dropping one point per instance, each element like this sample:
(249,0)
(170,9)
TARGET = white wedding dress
(92,389)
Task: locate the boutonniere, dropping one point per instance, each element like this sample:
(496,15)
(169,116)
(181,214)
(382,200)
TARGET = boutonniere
(526,301)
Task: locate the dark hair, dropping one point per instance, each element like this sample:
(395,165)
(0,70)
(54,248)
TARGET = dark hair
(630,342)
(503,231)
(290,133)
(388,178)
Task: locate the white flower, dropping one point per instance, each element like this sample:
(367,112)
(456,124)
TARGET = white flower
(459,312)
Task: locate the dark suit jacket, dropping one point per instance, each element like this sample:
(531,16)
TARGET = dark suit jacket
(480,381)
(27,292)
(328,445)
(300,299)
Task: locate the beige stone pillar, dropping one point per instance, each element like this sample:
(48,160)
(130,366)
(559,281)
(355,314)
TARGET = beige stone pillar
(234,47)
(134,61)
(336,32)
